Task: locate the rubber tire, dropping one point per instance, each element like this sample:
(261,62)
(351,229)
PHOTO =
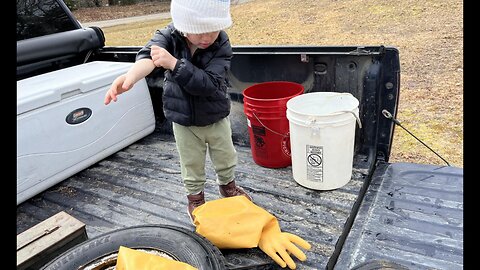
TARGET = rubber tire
(185,245)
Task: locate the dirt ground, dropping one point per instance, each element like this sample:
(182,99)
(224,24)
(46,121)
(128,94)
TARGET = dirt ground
(117,12)
(428,35)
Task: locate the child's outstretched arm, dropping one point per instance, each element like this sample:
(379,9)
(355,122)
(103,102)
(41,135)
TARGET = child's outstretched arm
(125,82)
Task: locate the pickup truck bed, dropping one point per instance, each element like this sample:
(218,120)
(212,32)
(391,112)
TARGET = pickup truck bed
(141,184)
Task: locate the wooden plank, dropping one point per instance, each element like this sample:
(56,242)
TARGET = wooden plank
(47,239)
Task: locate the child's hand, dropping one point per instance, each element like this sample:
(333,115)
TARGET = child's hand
(120,84)
(162,58)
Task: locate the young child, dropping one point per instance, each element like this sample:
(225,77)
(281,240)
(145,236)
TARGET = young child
(195,52)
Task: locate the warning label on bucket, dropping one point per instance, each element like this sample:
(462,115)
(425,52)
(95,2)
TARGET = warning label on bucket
(258,130)
(259,143)
(314,163)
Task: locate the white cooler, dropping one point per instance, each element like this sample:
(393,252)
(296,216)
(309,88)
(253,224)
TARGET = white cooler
(63,126)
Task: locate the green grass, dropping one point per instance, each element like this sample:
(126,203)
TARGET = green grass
(135,34)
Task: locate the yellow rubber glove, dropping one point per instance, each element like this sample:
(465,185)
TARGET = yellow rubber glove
(236,222)
(279,245)
(232,222)
(131,259)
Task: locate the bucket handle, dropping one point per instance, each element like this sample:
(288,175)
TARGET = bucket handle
(273,131)
(311,121)
(356,117)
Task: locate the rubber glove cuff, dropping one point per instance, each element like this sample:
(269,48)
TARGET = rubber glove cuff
(132,259)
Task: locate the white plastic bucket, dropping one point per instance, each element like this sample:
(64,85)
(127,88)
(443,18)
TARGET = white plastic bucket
(322,136)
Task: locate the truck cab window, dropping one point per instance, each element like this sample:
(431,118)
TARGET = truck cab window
(41,17)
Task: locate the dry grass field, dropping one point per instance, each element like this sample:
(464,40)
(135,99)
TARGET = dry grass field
(428,34)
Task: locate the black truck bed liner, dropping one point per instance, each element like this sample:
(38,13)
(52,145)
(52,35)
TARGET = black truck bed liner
(141,184)
(412,214)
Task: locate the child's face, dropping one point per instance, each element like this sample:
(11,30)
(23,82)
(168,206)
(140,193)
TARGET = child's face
(203,40)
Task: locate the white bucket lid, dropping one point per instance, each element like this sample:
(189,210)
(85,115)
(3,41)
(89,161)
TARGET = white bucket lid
(323,103)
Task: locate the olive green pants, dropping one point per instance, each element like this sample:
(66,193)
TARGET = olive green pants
(192,145)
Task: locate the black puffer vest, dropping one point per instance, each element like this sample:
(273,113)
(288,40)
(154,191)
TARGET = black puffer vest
(195,92)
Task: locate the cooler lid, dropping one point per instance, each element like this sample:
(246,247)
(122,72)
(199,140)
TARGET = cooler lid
(51,87)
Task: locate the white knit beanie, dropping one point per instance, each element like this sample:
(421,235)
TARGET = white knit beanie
(200,16)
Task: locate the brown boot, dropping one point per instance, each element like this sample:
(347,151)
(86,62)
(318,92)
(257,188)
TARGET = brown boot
(194,201)
(230,190)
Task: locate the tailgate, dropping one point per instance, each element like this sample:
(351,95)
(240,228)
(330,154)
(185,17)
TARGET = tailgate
(412,215)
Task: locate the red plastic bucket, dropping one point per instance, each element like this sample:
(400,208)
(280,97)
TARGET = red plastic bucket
(265,106)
